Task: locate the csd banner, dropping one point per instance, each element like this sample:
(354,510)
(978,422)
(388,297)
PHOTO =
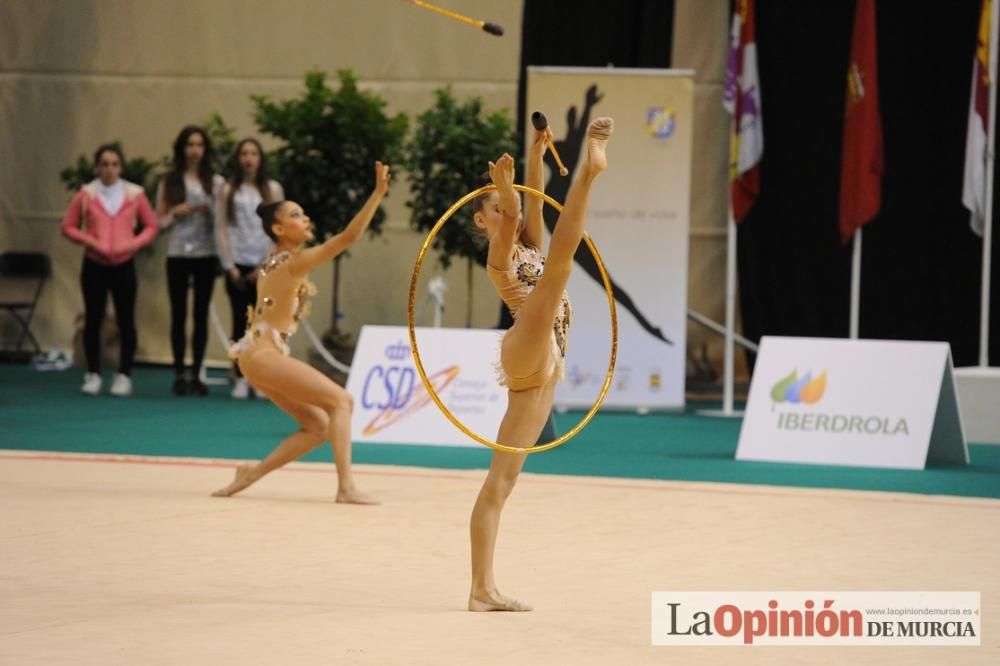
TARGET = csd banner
(872,403)
(638,218)
(390,402)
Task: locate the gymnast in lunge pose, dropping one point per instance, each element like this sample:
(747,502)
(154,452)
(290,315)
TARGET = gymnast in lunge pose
(320,406)
(531,354)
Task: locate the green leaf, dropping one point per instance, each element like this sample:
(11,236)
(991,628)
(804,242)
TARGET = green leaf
(778,390)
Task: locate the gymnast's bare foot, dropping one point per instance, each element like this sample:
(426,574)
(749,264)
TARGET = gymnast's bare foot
(243,479)
(485,601)
(355,496)
(598,133)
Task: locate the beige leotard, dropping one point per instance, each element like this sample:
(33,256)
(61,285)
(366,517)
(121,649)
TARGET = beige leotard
(513,285)
(282,300)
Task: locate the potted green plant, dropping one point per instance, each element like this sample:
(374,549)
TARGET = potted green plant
(330,139)
(445,159)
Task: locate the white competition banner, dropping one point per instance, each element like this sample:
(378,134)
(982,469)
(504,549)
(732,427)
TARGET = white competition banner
(638,218)
(390,402)
(871,403)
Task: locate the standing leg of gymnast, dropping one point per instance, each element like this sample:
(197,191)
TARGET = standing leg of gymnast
(526,352)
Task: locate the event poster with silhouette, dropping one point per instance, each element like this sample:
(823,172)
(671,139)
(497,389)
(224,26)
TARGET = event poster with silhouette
(638,219)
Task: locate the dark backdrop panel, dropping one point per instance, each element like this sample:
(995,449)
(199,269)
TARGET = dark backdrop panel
(792,269)
(921,264)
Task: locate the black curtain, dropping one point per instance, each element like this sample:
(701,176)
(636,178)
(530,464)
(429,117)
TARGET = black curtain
(921,263)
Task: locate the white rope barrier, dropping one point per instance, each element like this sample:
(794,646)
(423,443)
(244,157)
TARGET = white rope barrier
(320,349)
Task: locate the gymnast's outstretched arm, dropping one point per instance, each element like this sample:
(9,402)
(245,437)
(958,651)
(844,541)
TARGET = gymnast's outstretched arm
(312,257)
(534,224)
(509,205)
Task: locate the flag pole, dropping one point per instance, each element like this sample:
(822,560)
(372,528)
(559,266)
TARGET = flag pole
(984,303)
(856,285)
(728,365)
(734,98)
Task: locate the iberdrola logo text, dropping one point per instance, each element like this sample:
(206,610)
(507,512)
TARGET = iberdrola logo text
(806,390)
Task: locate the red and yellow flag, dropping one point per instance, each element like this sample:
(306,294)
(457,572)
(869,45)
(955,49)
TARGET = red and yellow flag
(861,160)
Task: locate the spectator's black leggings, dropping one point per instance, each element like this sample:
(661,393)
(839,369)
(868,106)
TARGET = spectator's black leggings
(240,299)
(182,272)
(96,281)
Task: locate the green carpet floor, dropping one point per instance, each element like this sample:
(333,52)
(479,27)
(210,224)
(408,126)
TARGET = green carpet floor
(45,411)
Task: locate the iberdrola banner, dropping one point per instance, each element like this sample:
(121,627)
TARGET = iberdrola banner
(869,403)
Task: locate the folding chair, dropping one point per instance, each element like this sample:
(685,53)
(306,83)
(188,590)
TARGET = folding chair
(33,268)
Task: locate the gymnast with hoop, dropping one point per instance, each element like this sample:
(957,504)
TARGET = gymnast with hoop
(321,407)
(532,351)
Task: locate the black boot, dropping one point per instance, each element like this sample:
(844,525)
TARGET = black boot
(180,385)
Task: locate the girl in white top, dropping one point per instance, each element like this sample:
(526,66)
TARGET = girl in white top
(240,239)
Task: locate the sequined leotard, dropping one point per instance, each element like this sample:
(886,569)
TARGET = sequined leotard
(513,286)
(264,322)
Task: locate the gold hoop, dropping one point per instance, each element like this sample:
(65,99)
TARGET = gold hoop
(413,334)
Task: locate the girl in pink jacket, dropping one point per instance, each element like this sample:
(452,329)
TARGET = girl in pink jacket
(102,217)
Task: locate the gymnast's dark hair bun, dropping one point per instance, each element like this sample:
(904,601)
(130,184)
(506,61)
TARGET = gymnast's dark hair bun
(267,213)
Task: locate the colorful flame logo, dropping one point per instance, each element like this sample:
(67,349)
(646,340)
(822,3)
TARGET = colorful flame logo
(797,389)
(419,399)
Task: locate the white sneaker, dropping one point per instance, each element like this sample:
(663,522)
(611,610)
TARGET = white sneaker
(241,389)
(91,383)
(121,386)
